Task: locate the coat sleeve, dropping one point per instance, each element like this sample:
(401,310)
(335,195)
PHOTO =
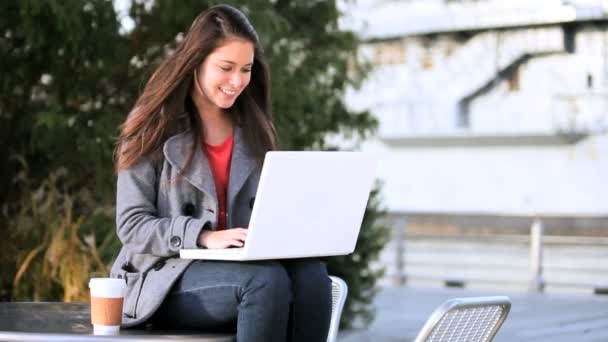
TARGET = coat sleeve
(138,226)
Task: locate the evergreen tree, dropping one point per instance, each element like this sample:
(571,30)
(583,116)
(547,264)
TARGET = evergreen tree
(65,85)
(68,79)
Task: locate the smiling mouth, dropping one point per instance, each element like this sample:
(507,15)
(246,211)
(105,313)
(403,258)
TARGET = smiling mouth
(228,91)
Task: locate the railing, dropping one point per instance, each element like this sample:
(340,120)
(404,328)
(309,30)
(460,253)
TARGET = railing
(536,262)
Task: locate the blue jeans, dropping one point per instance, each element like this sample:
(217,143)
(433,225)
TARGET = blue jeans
(287,300)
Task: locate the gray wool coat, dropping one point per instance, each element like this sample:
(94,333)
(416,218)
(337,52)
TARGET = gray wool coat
(159,212)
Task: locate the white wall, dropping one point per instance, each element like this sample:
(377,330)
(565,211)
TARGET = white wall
(567,180)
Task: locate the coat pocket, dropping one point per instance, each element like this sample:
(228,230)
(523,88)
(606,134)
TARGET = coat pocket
(134,284)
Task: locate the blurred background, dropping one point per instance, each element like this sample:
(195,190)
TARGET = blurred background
(492,138)
(489,119)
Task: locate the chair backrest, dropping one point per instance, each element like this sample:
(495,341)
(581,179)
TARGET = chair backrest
(339,291)
(472,319)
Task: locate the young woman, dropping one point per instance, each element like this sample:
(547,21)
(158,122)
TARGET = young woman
(188,159)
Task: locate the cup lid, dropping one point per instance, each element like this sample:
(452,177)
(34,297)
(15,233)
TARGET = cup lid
(107,282)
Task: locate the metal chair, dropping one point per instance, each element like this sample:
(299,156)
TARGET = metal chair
(339,291)
(472,319)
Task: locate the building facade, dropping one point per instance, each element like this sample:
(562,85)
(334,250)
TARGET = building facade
(488,110)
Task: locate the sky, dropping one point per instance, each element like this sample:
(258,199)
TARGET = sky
(122,8)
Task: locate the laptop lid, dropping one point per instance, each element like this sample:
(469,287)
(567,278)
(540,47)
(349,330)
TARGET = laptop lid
(309,203)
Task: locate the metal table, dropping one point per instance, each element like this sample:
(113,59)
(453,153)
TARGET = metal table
(24,321)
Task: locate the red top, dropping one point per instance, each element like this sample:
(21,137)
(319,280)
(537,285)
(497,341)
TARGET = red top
(219,161)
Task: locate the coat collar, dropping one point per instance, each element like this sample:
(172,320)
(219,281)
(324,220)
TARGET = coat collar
(178,147)
(241,166)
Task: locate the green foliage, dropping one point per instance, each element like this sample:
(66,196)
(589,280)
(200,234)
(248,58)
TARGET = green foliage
(64,88)
(69,77)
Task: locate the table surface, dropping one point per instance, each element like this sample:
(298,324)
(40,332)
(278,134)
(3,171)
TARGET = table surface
(24,321)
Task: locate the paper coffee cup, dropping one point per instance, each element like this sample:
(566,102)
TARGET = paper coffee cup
(107,296)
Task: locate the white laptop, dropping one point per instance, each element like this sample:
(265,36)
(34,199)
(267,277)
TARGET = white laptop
(308,204)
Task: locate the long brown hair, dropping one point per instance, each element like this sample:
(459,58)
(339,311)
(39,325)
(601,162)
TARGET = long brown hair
(160,110)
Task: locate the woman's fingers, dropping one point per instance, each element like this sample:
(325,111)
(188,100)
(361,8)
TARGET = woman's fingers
(232,242)
(237,243)
(226,238)
(237,233)
(238,239)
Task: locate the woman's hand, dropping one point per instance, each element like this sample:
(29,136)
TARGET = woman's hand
(234,237)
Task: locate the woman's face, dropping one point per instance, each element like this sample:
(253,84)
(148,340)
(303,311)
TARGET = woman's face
(226,72)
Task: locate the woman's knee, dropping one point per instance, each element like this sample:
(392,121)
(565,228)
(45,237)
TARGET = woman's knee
(272,278)
(309,275)
(274,275)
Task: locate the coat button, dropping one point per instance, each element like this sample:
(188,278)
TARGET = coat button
(251,203)
(208,226)
(127,266)
(188,209)
(175,241)
(159,264)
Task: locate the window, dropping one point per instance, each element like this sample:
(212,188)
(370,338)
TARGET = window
(387,53)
